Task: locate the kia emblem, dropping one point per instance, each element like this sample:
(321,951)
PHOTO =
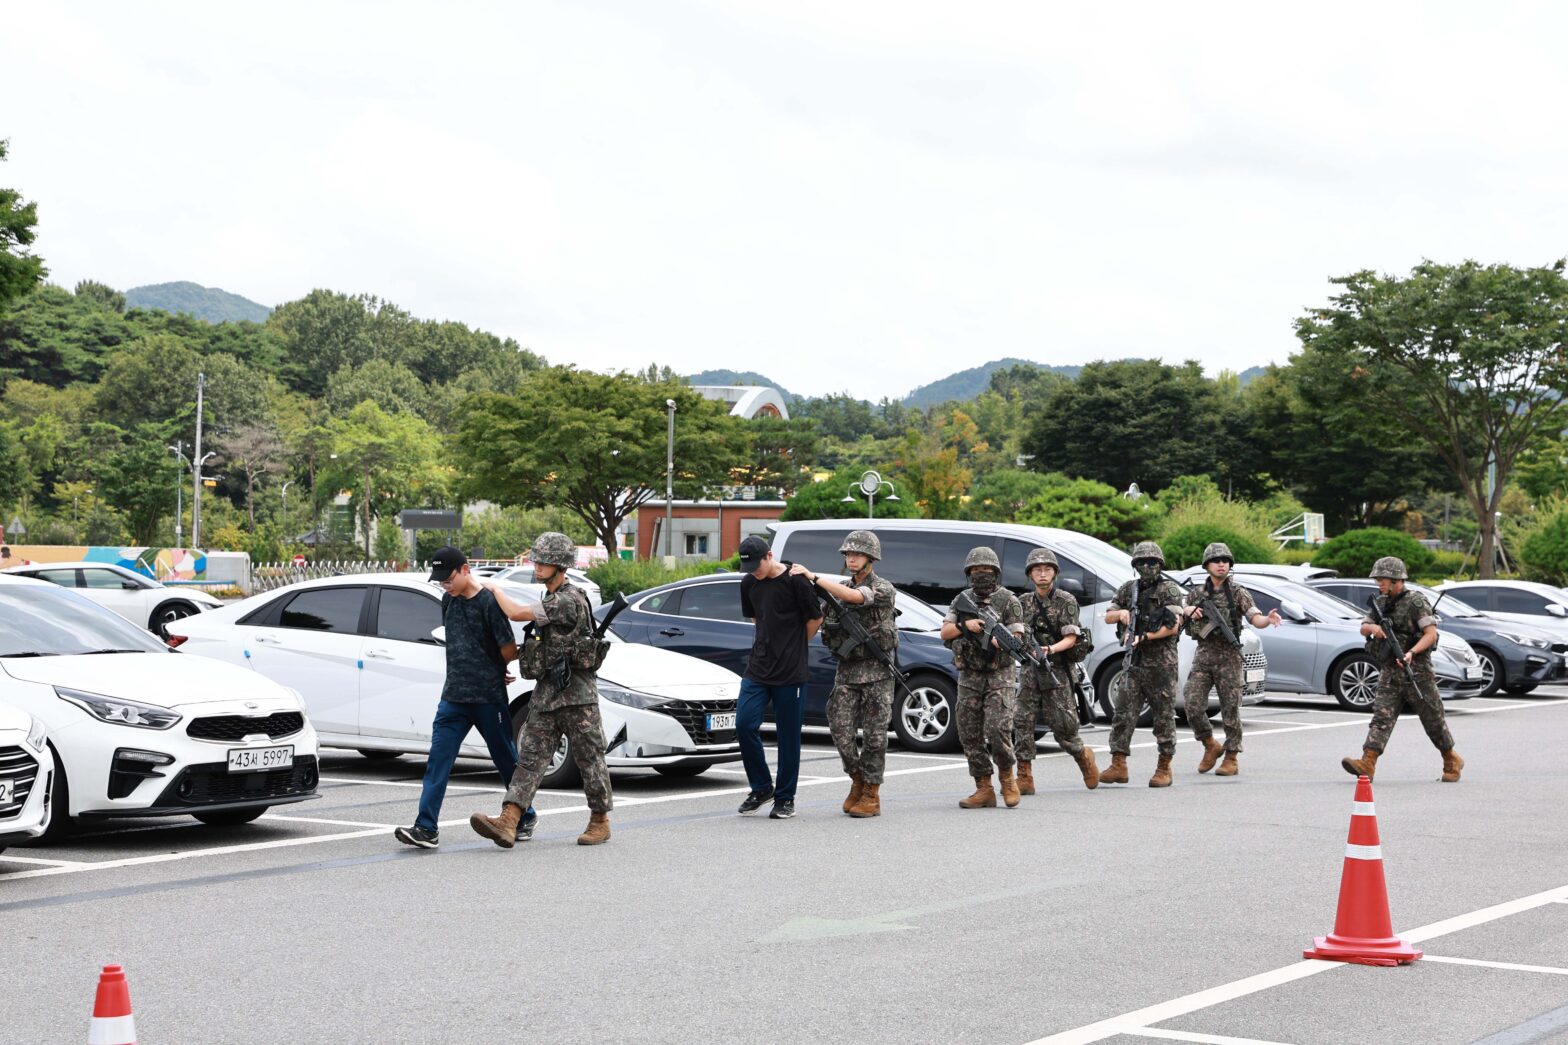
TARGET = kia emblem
(251,704)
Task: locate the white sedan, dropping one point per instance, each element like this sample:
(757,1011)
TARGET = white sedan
(137,730)
(365,650)
(140,600)
(26,769)
(523,576)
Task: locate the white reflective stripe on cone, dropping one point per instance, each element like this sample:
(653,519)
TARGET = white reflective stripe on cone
(112,1030)
(1363,852)
(1361,809)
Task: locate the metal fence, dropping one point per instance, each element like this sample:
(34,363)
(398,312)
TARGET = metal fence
(270,575)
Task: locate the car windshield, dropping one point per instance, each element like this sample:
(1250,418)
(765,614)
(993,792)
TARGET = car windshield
(1452,605)
(1320,604)
(45,621)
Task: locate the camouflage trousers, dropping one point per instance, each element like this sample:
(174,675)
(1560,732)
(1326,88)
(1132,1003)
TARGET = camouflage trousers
(867,707)
(1152,686)
(1060,705)
(1394,693)
(986,703)
(1218,666)
(542,733)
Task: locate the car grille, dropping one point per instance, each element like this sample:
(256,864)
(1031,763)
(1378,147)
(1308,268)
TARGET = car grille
(693,717)
(213,783)
(1250,661)
(1560,647)
(21,769)
(238,727)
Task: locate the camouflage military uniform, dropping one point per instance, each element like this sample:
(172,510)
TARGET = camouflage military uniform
(862,696)
(1152,679)
(564,618)
(1410,614)
(1049,621)
(987,689)
(1217,664)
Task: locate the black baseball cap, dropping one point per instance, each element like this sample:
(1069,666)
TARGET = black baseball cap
(446,562)
(752,551)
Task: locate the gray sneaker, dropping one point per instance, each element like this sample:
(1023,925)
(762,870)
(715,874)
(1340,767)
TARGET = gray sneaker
(525,826)
(418,837)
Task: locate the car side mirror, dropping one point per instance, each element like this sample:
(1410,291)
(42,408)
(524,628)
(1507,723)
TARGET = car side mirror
(130,586)
(439,634)
(1555,610)
(1292,610)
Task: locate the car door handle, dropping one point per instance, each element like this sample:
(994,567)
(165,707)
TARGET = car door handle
(379,654)
(268,640)
(671,632)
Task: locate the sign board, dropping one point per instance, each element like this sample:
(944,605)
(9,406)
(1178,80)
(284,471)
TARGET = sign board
(299,560)
(428,519)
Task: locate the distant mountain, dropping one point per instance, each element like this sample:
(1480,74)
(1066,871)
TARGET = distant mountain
(736,377)
(966,384)
(209,303)
(1246,376)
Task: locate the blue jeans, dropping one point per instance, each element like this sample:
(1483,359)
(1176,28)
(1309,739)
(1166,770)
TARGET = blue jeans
(789,715)
(451,725)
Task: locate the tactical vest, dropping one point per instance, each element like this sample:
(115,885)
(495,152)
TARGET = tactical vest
(1046,634)
(880,621)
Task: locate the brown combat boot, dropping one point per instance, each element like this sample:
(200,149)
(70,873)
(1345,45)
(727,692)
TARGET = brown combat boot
(1026,778)
(870,803)
(1365,766)
(1116,772)
(598,831)
(983,798)
(1091,772)
(502,830)
(1009,788)
(1162,773)
(856,784)
(1452,764)
(1212,749)
(1229,766)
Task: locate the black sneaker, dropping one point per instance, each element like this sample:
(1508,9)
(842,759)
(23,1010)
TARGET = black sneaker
(418,837)
(754,801)
(525,826)
(783,809)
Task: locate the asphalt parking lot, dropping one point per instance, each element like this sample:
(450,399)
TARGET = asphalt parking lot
(1123,914)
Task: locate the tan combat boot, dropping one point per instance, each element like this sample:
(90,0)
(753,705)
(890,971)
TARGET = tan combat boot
(870,803)
(1212,749)
(598,831)
(1229,766)
(1091,772)
(1365,766)
(502,830)
(1026,778)
(1116,772)
(983,798)
(1162,773)
(1452,764)
(856,784)
(1009,788)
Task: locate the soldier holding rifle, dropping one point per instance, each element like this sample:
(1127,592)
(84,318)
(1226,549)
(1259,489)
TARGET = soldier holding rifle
(987,678)
(1146,609)
(1051,616)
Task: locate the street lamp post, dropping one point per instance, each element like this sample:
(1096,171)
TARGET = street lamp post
(286,503)
(196,467)
(178,449)
(870,484)
(669,482)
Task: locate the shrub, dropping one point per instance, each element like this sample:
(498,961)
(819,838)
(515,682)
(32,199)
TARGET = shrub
(622,577)
(1544,551)
(1352,553)
(1095,509)
(1184,546)
(825,500)
(1445,565)
(1297,554)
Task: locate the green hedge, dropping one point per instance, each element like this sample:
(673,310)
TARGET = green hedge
(1184,547)
(1544,551)
(1353,553)
(619,577)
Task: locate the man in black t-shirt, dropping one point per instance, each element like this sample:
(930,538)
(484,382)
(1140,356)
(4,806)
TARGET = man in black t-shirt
(479,645)
(786,613)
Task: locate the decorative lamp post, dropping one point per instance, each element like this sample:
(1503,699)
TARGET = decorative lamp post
(870,484)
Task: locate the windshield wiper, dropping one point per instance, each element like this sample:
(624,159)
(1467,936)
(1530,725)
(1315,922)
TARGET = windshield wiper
(28,653)
(90,652)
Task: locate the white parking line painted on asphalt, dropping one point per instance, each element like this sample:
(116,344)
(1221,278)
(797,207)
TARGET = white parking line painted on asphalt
(163,858)
(319,820)
(1182,1035)
(36,860)
(1496,965)
(405,783)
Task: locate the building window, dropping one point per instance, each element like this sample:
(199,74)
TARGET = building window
(696,544)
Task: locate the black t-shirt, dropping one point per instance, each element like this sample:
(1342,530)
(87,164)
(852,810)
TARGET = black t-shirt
(781,607)
(476,629)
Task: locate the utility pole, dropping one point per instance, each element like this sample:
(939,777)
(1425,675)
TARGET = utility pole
(669,483)
(201,383)
(179,492)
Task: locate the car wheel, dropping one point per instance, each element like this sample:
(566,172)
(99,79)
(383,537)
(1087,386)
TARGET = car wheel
(1491,671)
(167,613)
(1108,686)
(1519,688)
(59,804)
(1353,682)
(926,717)
(562,770)
(379,756)
(680,772)
(229,817)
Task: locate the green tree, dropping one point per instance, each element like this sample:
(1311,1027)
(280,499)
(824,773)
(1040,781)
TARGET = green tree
(20,269)
(1001,494)
(779,453)
(1094,508)
(1354,552)
(391,386)
(825,500)
(135,477)
(390,461)
(1544,549)
(102,294)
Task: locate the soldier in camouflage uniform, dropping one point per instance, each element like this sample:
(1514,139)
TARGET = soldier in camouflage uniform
(1051,616)
(987,681)
(1151,679)
(1217,664)
(1415,630)
(862,696)
(565,623)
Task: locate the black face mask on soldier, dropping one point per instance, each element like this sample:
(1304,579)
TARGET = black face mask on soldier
(983,582)
(1148,570)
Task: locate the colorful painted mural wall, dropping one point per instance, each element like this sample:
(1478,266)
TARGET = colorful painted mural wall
(164,564)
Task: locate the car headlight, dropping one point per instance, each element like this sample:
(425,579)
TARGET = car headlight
(630,697)
(299,698)
(119,712)
(37,734)
(1525,640)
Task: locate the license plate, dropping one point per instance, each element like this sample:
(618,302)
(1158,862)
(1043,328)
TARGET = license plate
(1256,674)
(258,759)
(718,722)
(5,792)
(1473,673)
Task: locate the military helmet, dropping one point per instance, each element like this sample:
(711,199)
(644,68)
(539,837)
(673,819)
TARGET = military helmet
(1147,550)
(1390,566)
(1218,551)
(554,549)
(981,556)
(1040,557)
(862,541)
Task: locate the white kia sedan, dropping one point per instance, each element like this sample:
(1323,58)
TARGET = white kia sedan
(137,730)
(366,652)
(140,600)
(25,771)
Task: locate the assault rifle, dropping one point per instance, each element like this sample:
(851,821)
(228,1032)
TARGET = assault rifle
(1381,620)
(1210,611)
(1140,623)
(994,630)
(859,636)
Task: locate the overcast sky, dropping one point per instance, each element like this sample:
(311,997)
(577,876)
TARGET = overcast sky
(841,194)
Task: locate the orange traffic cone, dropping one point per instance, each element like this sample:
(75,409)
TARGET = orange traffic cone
(1363,932)
(112,1022)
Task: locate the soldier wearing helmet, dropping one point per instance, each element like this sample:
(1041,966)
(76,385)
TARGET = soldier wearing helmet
(987,681)
(862,696)
(1051,617)
(564,620)
(1414,627)
(1217,664)
(1151,677)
